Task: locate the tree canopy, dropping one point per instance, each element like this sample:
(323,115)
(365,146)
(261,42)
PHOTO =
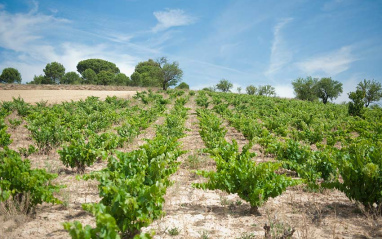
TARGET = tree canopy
(305,89)
(372,91)
(97,65)
(105,78)
(147,73)
(183,86)
(326,88)
(53,73)
(224,85)
(10,75)
(266,90)
(251,90)
(89,77)
(355,106)
(121,79)
(71,78)
(171,74)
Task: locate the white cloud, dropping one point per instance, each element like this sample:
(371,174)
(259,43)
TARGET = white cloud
(330,64)
(284,91)
(18,31)
(172,18)
(280,54)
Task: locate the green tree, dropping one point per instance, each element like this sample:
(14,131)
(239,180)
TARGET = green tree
(37,80)
(105,78)
(121,79)
(266,90)
(251,90)
(10,75)
(305,89)
(183,86)
(372,91)
(54,72)
(136,79)
(326,88)
(224,85)
(355,107)
(238,90)
(71,78)
(89,77)
(170,73)
(97,65)
(147,73)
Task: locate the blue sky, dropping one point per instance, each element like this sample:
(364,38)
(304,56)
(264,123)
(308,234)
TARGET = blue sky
(244,41)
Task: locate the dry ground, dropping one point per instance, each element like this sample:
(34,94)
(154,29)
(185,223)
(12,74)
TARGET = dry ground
(195,213)
(57,96)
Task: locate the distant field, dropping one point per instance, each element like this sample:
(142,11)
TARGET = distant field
(57,96)
(59,93)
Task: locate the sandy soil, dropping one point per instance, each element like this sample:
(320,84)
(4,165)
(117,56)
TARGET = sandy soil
(57,96)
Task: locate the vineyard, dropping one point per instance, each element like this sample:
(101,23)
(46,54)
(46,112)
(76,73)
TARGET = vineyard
(185,164)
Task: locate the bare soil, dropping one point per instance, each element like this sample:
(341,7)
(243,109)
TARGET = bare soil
(194,213)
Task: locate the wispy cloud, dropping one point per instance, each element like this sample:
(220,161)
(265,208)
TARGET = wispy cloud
(331,63)
(172,18)
(18,31)
(280,54)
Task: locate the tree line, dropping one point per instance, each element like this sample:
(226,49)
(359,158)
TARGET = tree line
(225,86)
(160,73)
(311,89)
(314,89)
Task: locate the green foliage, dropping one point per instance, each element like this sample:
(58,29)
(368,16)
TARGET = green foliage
(89,77)
(170,73)
(80,153)
(224,85)
(133,185)
(147,73)
(183,86)
(326,88)
(37,80)
(10,75)
(266,90)
(19,180)
(305,89)
(356,105)
(97,65)
(202,99)
(251,90)
(372,91)
(235,171)
(136,79)
(54,72)
(360,167)
(27,151)
(105,78)
(71,78)
(121,79)
(5,138)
